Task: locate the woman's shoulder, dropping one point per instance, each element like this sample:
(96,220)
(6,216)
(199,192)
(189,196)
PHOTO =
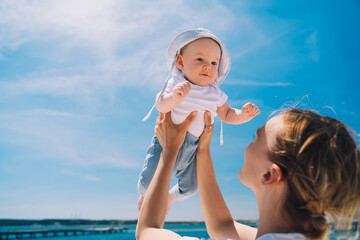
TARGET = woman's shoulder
(282,236)
(194,238)
(269,236)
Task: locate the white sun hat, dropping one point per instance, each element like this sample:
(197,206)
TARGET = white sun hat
(182,40)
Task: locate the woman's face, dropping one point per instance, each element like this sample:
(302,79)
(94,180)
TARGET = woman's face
(256,163)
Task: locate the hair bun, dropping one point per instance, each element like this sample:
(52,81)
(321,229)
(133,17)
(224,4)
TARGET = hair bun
(317,225)
(318,215)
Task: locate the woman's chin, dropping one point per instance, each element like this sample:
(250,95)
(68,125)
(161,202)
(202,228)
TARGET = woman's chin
(241,177)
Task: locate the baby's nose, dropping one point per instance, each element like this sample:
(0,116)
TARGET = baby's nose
(207,65)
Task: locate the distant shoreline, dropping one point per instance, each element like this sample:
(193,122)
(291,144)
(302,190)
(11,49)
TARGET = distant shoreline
(76,222)
(115,222)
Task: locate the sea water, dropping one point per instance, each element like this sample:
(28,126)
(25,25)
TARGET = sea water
(191,230)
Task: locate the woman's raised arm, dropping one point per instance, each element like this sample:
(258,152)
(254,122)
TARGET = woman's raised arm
(153,212)
(219,222)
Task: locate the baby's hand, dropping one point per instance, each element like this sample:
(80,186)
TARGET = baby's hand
(250,110)
(181,90)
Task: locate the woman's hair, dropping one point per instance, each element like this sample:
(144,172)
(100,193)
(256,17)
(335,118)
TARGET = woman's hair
(320,163)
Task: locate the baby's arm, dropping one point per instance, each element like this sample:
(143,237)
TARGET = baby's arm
(235,116)
(171,99)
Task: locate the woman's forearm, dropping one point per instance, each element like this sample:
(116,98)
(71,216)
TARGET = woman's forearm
(219,222)
(153,212)
(157,194)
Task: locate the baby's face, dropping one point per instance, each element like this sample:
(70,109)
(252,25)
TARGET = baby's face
(199,61)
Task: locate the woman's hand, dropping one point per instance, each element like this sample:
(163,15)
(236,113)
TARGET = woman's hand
(205,138)
(172,136)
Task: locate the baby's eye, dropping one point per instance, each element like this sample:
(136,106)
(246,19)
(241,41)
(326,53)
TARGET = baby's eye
(214,63)
(200,59)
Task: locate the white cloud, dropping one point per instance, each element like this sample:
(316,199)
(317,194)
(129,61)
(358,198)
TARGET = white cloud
(258,33)
(44,112)
(256,83)
(80,175)
(75,85)
(126,40)
(312,41)
(78,23)
(238,103)
(56,135)
(87,209)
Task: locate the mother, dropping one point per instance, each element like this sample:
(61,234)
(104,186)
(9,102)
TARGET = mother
(303,168)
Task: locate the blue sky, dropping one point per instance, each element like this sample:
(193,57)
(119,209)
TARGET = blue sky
(77,77)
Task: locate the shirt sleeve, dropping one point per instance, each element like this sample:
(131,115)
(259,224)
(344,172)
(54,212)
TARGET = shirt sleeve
(171,84)
(222,98)
(169,87)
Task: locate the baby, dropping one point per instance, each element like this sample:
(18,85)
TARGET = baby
(202,63)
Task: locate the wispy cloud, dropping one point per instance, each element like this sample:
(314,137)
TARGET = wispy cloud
(312,42)
(80,175)
(253,33)
(240,102)
(124,49)
(39,112)
(256,83)
(56,135)
(114,208)
(63,86)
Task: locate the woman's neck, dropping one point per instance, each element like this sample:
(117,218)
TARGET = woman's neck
(272,218)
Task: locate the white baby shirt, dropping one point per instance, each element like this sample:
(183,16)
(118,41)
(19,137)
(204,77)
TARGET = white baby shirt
(200,98)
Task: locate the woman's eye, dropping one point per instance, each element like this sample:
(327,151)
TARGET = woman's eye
(200,59)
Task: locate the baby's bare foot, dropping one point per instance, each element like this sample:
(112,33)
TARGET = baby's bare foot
(140,202)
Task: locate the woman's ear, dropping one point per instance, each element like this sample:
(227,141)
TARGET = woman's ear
(272,176)
(180,62)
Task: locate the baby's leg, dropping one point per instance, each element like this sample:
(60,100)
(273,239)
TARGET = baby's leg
(186,170)
(187,183)
(149,168)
